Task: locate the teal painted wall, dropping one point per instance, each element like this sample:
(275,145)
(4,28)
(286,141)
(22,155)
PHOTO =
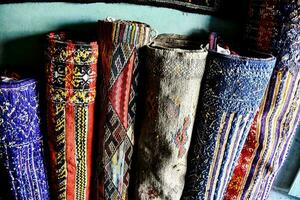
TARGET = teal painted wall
(23,25)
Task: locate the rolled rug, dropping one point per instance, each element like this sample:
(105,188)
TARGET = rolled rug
(21,140)
(173,74)
(119,42)
(273,130)
(232,89)
(71,88)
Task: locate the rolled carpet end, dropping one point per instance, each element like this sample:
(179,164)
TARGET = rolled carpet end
(119,42)
(173,74)
(21,140)
(273,130)
(71,88)
(231,92)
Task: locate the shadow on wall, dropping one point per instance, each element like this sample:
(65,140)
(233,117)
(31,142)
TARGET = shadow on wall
(26,55)
(199,35)
(234,9)
(23,55)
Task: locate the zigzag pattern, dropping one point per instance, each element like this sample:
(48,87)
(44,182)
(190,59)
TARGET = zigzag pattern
(81,151)
(111,191)
(115,133)
(61,168)
(119,59)
(119,93)
(128,155)
(133,92)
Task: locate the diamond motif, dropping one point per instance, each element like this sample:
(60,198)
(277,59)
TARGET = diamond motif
(120,92)
(181,137)
(85,77)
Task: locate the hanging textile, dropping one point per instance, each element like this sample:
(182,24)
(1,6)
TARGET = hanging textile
(21,140)
(274,126)
(71,77)
(232,88)
(174,70)
(118,45)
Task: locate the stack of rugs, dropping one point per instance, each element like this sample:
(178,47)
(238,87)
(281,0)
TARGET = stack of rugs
(131,115)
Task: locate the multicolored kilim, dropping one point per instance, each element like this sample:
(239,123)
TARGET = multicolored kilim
(232,89)
(273,129)
(71,89)
(118,44)
(21,140)
(174,70)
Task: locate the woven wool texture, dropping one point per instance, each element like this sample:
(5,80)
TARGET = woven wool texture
(273,129)
(118,44)
(71,77)
(21,140)
(232,88)
(174,70)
